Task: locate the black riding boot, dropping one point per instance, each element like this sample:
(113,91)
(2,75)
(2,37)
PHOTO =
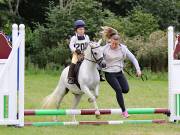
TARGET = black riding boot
(101,76)
(71,74)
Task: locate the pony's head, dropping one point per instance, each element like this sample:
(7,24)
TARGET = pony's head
(107,32)
(96,54)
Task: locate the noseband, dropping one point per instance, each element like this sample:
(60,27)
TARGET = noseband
(98,61)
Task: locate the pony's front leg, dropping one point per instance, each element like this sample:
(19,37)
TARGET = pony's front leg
(96,91)
(87,92)
(75,103)
(96,94)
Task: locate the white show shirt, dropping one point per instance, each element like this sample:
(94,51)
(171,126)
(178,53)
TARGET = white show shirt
(75,43)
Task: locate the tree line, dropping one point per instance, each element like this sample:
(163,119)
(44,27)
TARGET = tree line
(142,25)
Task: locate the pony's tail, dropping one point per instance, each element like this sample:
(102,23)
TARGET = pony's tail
(52,100)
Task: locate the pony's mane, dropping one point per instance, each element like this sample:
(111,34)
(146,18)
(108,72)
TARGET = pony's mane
(93,44)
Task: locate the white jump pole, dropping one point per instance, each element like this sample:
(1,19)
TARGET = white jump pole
(173,78)
(12,80)
(21,75)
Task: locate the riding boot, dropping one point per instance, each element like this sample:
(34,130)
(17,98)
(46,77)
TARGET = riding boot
(101,76)
(71,74)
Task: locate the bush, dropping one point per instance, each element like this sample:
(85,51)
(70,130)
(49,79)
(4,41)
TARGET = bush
(137,23)
(152,52)
(140,23)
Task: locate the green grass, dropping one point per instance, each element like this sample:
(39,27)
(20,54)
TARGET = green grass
(150,93)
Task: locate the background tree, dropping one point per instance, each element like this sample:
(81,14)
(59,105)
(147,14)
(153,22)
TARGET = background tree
(166,11)
(49,25)
(53,35)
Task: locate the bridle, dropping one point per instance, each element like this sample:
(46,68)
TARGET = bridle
(98,61)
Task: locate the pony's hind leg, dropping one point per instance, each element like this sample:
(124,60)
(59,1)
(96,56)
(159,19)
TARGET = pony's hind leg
(61,98)
(75,103)
(62,94)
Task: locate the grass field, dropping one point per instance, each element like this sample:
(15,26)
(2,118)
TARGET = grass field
(150,93)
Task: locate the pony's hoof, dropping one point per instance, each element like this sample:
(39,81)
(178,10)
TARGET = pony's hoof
(90,100)
(98,116)
(55,119)
(74,120)
(97,113)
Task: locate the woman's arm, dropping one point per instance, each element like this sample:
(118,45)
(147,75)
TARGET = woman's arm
(133,59)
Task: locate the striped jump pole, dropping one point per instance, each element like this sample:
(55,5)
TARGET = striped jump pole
(38,124)
(92,111)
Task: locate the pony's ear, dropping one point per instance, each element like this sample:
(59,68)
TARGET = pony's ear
(102,32)
(100,41)
(102,27)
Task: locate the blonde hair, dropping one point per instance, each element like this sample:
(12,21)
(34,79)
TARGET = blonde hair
(107,32)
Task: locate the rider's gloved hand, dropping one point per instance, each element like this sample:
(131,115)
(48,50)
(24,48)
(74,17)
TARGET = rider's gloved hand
(78,51)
